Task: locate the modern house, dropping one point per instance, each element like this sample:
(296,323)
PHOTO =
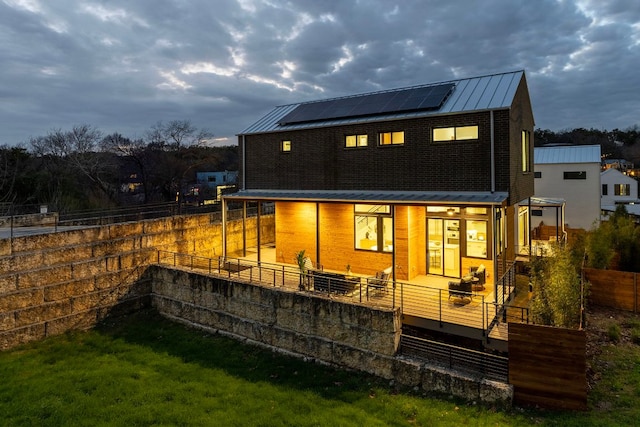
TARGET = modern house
(431,180)
(219,181)
(618,189)
(570,173)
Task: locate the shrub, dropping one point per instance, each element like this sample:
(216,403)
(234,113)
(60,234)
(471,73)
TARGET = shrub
(557,298)
(614,332)
(635,335)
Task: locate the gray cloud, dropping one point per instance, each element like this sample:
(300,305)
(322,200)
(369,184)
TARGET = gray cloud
(122,66)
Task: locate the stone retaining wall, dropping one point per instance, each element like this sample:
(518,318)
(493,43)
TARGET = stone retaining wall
(314,327)
(51,283)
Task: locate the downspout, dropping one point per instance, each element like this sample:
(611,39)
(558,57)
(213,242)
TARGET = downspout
(244,164)
(493,154)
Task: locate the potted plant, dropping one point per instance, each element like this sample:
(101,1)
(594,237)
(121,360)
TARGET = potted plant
(300,259)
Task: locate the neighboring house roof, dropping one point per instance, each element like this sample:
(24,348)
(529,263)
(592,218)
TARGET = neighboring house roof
(491,92)
(567,154)
(547,201)
(382,197)
(614,174)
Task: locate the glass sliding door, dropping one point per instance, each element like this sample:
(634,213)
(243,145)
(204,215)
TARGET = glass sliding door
(443,248)
(435,239)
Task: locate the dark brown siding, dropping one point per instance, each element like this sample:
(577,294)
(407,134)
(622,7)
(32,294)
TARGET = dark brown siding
(319,161)
(520,118)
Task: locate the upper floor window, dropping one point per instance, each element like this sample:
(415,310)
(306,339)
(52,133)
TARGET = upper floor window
(605,189)
(391,138)
(285,146)
(526,151)
(351,141)
(537,174)
(575,175)
(622,189)
(459,133)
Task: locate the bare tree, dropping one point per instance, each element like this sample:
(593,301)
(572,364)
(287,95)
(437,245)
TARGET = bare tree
(176,134)
(75,151)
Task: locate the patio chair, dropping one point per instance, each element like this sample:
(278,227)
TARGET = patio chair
(379,283)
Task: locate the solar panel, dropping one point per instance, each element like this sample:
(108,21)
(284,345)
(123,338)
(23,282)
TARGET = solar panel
(404,100)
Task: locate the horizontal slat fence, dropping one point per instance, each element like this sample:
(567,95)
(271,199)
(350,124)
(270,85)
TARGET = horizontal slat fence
(612,288)
(547,366)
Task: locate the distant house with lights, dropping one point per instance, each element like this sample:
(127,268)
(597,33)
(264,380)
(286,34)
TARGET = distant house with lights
(219,181)
(570,173)
(618,189)
(433,179)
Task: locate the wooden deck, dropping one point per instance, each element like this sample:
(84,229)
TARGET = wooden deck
(424,301)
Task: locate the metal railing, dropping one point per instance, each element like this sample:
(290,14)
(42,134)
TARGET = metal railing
(412,299)
(474,362)
(276,275)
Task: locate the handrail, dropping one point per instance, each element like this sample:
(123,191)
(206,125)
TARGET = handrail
(408,297)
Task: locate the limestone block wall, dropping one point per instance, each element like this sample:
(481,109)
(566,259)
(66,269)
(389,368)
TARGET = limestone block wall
(52,283)
(349,335)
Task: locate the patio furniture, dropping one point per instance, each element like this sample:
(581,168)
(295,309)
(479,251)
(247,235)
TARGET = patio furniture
(379,282)
(334,282)
(460,289)
(479,273)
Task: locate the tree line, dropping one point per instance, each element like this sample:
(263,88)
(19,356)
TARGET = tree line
(82,168)
(615,144)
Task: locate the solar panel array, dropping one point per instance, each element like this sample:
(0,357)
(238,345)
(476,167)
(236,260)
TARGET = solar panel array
(414,99)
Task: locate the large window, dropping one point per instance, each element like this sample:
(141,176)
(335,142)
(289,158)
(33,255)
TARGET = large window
(476,238)
(460,133)
(373,228)
(391,138)
(526,151)
(575,175)
(622,189)
(285,146)
(352,141)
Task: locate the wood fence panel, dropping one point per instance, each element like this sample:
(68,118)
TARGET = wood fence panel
(611,288)
(547,366)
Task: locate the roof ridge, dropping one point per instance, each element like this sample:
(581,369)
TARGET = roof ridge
(398,89)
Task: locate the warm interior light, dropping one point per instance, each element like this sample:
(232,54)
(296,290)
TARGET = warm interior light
(450,211)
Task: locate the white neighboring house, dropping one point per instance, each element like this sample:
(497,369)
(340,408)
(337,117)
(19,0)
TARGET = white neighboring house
(572,173)
(618,188)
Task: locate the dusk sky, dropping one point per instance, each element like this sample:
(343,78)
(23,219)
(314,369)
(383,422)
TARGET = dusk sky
(123,65)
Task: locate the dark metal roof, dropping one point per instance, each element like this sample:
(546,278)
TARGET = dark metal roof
(492,92)
(381,197)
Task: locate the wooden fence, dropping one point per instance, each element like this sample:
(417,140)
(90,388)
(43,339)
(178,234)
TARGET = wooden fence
(615,289)
(547,366)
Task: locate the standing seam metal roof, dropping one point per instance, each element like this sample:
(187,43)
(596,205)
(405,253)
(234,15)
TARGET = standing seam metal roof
(567,154)
(491,92)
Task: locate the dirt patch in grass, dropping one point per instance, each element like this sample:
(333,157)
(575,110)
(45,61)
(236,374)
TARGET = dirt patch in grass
(608,330)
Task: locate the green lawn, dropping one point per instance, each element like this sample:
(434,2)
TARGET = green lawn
(144,370)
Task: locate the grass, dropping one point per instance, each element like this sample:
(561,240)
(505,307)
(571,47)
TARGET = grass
(144,370)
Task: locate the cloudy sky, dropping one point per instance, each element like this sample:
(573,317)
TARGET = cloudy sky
(124,65)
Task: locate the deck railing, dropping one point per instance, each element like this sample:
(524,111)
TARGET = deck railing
(487,365)
(472,309)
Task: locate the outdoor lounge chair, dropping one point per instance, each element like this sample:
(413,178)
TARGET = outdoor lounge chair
(460,289)
(379,283)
